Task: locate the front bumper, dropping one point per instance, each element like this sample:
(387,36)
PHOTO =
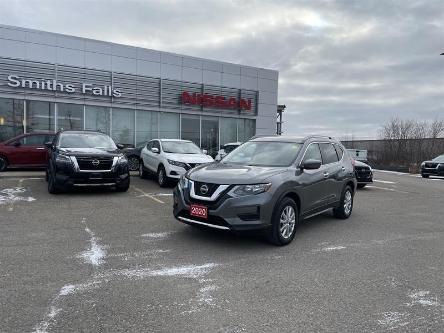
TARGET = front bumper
(251,212)
(364,177)
(439,171)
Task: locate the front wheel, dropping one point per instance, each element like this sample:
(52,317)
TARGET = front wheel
(162,178)
(284,223)
(52,186)
(133,163)
(346,205)
(142,171)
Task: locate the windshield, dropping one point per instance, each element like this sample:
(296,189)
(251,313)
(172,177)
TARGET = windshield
(439,159)
(90,140)
(262,153)
(230,148)
(180,147)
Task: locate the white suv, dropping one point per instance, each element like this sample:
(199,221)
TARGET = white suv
(169,159)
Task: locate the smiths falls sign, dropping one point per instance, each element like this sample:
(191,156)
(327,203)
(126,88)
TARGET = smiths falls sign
(15,81)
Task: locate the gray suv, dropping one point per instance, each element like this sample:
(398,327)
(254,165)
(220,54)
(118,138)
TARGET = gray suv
(269,183)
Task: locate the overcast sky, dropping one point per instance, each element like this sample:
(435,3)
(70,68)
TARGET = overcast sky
(345,67)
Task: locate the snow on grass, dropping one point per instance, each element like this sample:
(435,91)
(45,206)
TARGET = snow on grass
(12,195)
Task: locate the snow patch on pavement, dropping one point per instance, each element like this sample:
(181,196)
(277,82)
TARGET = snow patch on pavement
(12,195)
(190,271)
(394,319)
(97,252)
(156,235)
(333,248)
(383,181)
(422,297)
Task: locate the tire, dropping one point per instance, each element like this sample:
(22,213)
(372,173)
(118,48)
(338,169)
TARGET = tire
(346,206)
(133,163)
(3,164)
(162,178)
(284,223)
(361,185)
(425,176)
(142,171)
(52,186)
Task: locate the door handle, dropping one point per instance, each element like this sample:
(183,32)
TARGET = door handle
(40,148)
(326,174)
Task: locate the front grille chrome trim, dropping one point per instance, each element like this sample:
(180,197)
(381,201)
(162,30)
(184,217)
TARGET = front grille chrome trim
(77,168)
(215,195)
(88,185)
(203,223)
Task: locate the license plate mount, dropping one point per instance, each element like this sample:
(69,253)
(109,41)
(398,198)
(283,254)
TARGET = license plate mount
(199,211)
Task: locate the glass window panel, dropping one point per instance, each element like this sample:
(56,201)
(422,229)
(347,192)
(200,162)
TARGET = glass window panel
(97,118)
(250,128)
(39,116)
(191,128)
(11,118)
(146,126)
(228,130)
(210,135)
(69,116)
(241,130)
(33,140)
(169,126)
(123,126)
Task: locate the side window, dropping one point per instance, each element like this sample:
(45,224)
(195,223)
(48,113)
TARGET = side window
(313,153)
(328,153)
(339,151)
(33,140)
(149,145)
(156,144)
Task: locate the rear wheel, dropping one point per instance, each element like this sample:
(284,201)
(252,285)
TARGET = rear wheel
(52,186)
(3,164)
(162,178)
(346,206)
(361,185)
(284,223)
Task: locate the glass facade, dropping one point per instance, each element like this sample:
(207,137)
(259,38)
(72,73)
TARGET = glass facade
(126,126)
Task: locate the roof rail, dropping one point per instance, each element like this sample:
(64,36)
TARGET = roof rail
(262,136)
(318,136)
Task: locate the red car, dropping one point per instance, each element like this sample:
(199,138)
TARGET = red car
(25,151)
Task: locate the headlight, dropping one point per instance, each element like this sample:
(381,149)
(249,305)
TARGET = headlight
(176,163)
(63,159)
(242,190)
(122,159)
(422,164)
(183,182)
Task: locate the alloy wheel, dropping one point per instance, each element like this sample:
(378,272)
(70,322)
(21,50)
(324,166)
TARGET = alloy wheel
(287,222)
(161,177)
(348,201)
(133,163)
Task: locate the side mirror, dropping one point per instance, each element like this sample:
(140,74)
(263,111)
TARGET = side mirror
(205,151)
(311,165)
(48,145)
(155,150)
(17,144)
(120,146)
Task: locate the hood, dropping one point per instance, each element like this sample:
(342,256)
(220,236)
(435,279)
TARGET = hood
(91,152)
(361,164)
(221,173)
(189,158)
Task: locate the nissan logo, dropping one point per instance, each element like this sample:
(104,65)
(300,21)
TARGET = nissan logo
(204,189)
(95,162)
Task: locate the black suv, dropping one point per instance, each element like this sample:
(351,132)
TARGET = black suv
(269,183)
(85,158)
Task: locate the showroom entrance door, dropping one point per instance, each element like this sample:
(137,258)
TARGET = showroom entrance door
(210,135)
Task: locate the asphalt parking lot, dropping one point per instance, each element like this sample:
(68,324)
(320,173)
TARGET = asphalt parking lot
(95,261)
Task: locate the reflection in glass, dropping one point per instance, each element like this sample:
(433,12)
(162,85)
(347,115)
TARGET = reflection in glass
(69,116)
(146,126)
(169,126)
(39,116)
(228,131)
(97,118)
(11,118)
(210,135)
(191,128)
(123,126)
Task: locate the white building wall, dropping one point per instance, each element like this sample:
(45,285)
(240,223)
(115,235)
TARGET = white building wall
(21,43)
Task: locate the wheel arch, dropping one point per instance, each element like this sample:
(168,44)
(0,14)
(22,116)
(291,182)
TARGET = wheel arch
(295,197)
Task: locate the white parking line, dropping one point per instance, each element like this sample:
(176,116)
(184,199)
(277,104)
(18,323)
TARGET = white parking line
(386,189)
(148,195)
(383,181)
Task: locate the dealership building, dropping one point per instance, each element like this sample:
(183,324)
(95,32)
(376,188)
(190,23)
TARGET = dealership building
(51,81)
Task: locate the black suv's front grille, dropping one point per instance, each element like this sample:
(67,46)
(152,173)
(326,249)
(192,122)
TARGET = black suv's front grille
(205,189)
(94,163)
(431,165)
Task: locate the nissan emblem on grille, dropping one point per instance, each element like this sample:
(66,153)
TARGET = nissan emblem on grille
(95,162)
(204,189)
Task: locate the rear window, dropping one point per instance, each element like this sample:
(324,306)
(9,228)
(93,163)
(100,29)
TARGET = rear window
(339,151)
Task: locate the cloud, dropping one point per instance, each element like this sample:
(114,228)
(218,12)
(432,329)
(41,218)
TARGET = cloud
(345,67)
